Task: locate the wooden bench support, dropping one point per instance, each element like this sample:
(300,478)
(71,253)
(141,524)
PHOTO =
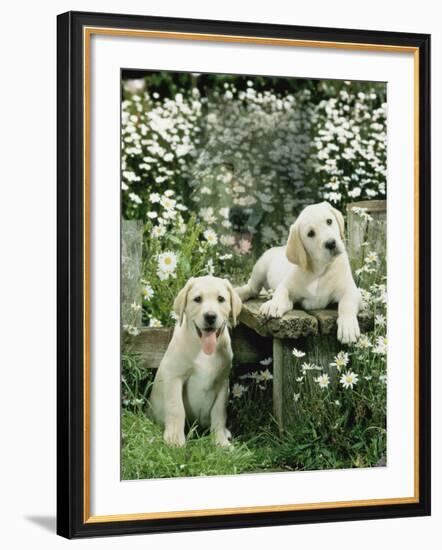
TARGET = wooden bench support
(319,350)
(313,332)
(248,346)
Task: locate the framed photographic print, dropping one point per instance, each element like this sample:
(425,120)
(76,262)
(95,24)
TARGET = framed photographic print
(243,274)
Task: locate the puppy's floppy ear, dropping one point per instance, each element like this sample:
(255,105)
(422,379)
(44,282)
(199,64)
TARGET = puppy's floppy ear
(235,302)
(179,305)
(295,249)
(339,219)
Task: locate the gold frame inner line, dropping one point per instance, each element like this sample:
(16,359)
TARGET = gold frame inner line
(87,33)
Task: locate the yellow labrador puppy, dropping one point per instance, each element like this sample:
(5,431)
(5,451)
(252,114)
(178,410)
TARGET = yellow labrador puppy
(193,377)
(312,269)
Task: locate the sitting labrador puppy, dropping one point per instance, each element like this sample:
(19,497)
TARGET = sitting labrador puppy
(192,380)
(312,269)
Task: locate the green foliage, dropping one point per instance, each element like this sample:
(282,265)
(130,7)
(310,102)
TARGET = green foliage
(135,382)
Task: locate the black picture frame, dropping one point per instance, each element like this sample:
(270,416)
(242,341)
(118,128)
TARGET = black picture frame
(71,520)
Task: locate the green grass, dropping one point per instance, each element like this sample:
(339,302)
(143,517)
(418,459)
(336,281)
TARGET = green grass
(145,454)
(323,438)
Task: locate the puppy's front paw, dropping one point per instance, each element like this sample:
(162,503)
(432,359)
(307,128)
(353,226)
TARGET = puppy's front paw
(348,329)
(222,437)
(273,308)
(174,437)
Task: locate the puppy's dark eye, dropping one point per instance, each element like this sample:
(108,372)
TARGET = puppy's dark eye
(198,299)
(329,221)
(221,299)
(311,233)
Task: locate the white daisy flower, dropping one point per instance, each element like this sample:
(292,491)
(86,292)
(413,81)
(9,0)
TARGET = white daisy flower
(158,231)
(167,262)
(354,193)
(227,240)
(182,227)
(169,192)
(298,353)
(154,322)
(323,380)
(210,268)
(299,379)
(168,203)
(266,375)
(296,397)
(349,379)
(147,292)
(211,237)
(341,360)
(170,214)
(135,85)
(135,307)
(208,215)
(152,215)
(363,342)
(371,257)
(266,362)
(309,366)
(130,329)
(334,197)
(165,275)
(154,197)
(135,198)
(380,320)
(381,345)
(238,390)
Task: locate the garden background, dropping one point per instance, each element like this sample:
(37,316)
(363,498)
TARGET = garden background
(216,168)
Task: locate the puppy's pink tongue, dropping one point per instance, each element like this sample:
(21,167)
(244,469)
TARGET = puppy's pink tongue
(208,341)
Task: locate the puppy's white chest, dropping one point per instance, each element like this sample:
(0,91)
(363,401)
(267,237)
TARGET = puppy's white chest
(317,294)
(312,289)
(201,387)
(206,368)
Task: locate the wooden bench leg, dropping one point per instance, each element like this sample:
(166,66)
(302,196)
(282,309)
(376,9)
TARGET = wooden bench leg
(279,353)
(319,350)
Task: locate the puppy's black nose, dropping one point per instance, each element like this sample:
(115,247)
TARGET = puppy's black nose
(330,244)
(210,318)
